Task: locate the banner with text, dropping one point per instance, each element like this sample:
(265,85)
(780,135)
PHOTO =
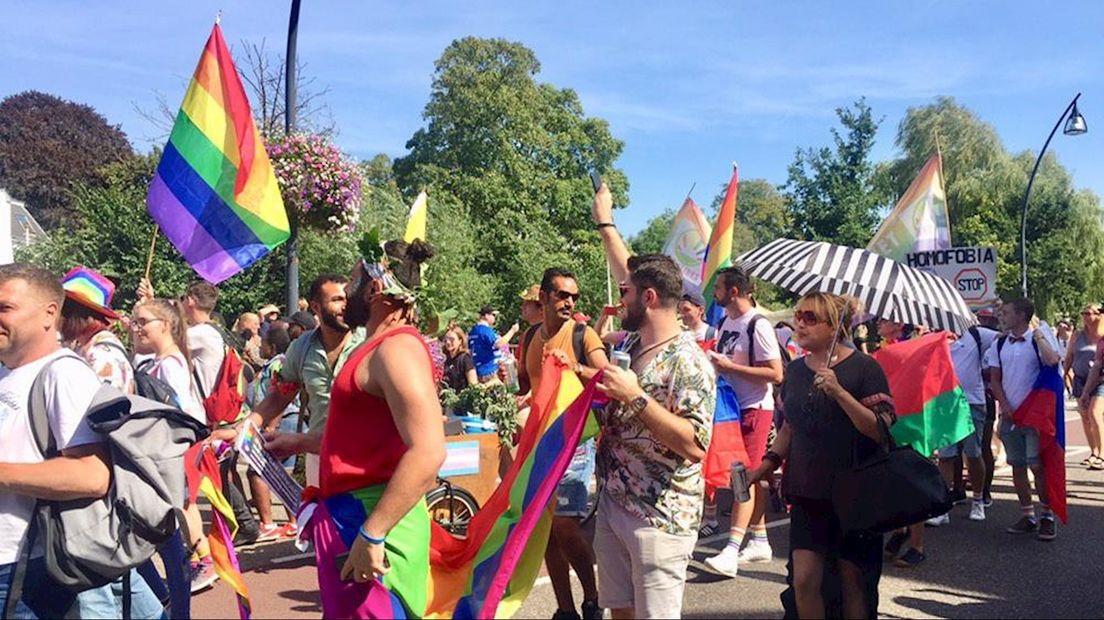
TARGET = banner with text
(972,271)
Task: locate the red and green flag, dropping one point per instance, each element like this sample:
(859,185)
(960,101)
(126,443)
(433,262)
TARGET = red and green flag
(932,410)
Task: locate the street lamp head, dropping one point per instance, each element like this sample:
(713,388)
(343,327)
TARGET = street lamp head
(1075,124)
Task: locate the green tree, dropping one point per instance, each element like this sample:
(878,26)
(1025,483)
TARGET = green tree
(48,144)
(833,193)
(514,154)
(652,238)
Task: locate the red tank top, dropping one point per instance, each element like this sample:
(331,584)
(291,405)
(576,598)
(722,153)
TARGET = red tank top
(360,445)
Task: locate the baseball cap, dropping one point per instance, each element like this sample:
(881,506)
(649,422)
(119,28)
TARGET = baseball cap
(487,310)
(303,319)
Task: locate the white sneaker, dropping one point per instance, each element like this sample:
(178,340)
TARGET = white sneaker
(726,563)
(757,552)
(977,511)
(944,519)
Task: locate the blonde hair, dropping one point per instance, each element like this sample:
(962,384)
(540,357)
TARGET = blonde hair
(172,312)
(834,309)
(453,328)
(246,316)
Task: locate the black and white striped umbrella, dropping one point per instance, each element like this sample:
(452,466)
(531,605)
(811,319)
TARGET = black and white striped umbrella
(887,288)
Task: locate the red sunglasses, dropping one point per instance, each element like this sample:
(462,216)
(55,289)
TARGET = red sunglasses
(807,317)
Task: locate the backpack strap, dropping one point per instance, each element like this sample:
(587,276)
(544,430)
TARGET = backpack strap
(751,338)
(578,336)
(1000,346)
(976,333)
(528,338)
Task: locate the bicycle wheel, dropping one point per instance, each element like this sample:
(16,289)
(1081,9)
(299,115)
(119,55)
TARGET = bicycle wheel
(452,508)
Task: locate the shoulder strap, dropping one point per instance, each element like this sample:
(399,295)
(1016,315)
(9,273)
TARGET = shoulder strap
(1000,346)
(36,410)
(976,333)
(528,338)
(751,338)
(578,336)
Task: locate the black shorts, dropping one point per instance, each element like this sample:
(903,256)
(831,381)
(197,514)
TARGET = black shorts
(814,526)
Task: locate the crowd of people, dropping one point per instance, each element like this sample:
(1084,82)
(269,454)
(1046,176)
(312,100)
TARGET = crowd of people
(348,382)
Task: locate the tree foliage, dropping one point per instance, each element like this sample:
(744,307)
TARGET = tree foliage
(510,155)
(48,144)
(832,192)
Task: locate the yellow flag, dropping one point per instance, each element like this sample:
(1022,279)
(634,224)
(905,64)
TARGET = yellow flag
(416,221)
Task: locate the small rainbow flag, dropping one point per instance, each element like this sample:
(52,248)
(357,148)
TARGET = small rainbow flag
(718,253)
(215,194)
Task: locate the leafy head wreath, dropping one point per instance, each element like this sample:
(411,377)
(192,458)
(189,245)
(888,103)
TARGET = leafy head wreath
(397,265)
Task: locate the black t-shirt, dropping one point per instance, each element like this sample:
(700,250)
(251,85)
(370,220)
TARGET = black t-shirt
(456,370)
(824,441)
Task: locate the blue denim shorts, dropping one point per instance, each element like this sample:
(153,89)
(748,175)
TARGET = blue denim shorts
(289,424)
(573,494)
(970,447)
(1021,443)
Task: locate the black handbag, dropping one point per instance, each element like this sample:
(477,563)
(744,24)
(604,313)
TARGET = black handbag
(894,488)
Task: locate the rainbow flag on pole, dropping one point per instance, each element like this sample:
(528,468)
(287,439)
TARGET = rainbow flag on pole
(920,220)
(214,194)
(490,573)
(718,253)
(686,244)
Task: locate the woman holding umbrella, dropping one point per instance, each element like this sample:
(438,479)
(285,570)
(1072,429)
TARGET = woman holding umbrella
(834,397)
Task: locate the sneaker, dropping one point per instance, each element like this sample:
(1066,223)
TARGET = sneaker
(1025,525)
(707,530)
(896,541)
(726,563)
(977,511)
(756,552)
(1048,529)
(203,575)
(988,501)
(591,611)
(246,538)
(911,559)
(289,530)
(943,519)
(958,496)
(268,531)
(565,615)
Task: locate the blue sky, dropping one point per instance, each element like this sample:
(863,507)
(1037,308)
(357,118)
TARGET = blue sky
(689,87)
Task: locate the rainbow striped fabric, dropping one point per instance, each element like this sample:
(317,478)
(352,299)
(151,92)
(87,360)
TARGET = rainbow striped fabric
(491,572)
(215,194)
(718,254)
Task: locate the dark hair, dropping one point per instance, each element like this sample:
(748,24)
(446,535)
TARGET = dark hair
(204,295)
(1023,306)
(406,260)
(322,280)
(730,277)
(80,321)
(37,278)
(278,339)
(659,273)
(551,274)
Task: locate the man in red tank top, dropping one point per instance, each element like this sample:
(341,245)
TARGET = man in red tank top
(384,443)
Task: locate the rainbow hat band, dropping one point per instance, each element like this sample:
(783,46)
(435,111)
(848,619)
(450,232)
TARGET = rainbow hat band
(90,289)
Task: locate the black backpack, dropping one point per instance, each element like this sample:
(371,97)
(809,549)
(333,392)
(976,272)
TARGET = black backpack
(149,386)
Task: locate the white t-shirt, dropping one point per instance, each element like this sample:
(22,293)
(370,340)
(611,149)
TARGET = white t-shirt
(732,342)
(70,386)
(173,370)
(1019,366)
(206,348)
(968,362)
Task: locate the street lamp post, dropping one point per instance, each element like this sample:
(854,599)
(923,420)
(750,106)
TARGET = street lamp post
(1075,126)
(289,126)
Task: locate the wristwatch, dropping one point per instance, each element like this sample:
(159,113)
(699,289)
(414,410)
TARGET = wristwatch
(637,405)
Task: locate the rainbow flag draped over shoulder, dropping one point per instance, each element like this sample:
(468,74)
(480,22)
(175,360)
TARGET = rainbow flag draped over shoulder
(1044,410)
(920,220)
(202,473)
(490,573)
(214,194)
(932,410)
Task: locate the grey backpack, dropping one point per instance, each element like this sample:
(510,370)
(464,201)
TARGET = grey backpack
(91,542)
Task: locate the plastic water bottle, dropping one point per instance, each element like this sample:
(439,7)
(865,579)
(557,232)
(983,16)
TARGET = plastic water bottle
(510,366)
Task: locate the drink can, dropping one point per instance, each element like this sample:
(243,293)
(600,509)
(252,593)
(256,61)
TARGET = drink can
(510,366)
(621,359)
(740,491)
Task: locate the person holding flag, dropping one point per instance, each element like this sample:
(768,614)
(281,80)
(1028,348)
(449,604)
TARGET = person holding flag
(1016,361)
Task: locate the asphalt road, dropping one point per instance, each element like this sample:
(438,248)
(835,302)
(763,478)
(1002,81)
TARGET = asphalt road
(973,570)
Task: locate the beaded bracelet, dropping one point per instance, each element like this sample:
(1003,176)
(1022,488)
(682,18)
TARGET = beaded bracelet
(371,539)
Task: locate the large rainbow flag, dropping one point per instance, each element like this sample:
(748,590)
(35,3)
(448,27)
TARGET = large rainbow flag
(932,410)
(718,253)
(490,573)
(920,220)
(214,194)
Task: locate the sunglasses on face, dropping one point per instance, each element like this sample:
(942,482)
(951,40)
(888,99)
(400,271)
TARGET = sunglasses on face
(807,317)
(624,290)
(564,296)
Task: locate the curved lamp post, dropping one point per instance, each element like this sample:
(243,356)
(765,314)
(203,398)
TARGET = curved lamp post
(1075,126)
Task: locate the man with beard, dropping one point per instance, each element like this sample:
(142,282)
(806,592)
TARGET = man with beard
(311,364)
(655,432)
(578,347)
(384,443)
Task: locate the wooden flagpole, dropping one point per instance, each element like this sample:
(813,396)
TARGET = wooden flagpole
(153,245)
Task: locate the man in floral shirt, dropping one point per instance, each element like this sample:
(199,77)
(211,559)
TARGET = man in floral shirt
(655,432)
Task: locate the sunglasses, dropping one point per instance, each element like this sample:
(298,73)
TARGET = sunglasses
(807,317)
(564,296)
(623,289)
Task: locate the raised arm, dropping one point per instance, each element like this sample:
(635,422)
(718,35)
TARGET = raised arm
(616,252)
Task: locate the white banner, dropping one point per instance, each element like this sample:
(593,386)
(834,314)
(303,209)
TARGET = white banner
(972,271)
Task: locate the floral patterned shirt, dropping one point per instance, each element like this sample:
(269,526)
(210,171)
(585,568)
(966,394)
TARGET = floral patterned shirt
(107,356)
(642,475)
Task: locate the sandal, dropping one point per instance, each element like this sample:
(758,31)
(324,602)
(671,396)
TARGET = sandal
(1096,463)
(1087,461)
